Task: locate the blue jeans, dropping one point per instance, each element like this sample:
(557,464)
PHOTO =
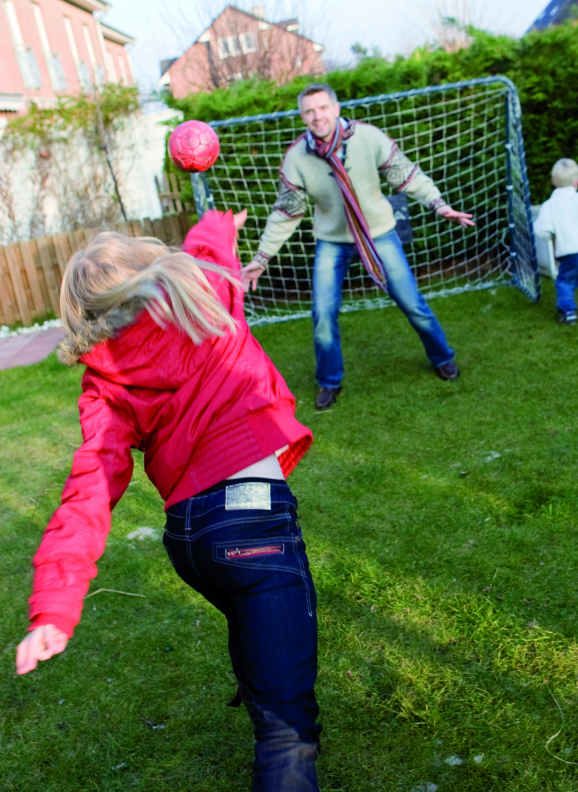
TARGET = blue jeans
(240,546)
(332,260)
(567,283)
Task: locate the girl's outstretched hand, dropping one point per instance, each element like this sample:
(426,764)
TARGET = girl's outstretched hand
(239,219)
(39,644)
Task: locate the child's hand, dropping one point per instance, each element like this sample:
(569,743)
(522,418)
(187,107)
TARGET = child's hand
(39,644)
(239,219)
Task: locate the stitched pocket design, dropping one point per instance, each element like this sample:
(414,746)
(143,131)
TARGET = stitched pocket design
(252,552)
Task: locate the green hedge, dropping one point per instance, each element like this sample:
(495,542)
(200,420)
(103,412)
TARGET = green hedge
(542,64)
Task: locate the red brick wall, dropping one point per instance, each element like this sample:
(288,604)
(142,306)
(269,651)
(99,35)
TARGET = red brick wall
(291,55)
(191,73)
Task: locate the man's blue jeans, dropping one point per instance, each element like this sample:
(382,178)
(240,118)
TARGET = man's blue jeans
(567,283)
(332,261)
(240,546)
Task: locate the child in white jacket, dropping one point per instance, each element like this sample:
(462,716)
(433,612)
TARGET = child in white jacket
(558,218)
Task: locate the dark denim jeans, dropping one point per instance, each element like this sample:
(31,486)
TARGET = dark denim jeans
(567,283)
(332,261)
(240,546)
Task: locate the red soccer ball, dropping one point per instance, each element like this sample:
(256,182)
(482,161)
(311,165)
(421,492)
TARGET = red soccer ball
(193,146)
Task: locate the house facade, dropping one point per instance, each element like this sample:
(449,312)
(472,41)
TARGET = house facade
(53,47)
(556,12)
(238,45)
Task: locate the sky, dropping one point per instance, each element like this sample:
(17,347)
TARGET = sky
(165,29)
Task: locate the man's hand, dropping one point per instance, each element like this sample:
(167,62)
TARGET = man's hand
(39,644)
(250,274)
(462,218)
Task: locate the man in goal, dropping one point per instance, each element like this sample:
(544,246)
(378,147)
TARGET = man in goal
(338,163)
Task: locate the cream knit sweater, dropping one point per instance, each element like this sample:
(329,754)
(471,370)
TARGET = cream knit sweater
(369,155)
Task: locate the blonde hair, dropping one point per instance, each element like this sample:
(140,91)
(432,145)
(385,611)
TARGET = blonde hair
(115,277)
(564,173)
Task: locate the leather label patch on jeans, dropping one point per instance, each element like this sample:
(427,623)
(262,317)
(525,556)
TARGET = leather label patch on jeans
(249,495)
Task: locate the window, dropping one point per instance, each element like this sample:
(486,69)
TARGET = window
(27,59)
(84,76)
(248,43)
(56,72)
(53,64)
(91,56)
(82,70)
(25,55)
(122,69)
(107,72)
(228,47)
(110,67)
(236,77)
(71,39)
(100,75)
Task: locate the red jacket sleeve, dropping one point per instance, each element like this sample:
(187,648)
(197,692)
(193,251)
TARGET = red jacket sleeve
(75,537)
(213,240)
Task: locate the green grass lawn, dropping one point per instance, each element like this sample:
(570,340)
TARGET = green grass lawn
(441,523)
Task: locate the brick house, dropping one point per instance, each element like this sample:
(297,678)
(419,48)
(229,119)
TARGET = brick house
(240,44)
(54,47)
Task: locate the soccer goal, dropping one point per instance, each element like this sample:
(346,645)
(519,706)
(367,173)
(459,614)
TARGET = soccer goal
(467,136)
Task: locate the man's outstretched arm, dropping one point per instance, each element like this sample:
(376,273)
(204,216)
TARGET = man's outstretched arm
(404,175)
(288,211)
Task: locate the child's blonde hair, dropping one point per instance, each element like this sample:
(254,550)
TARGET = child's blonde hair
(564,173)
(107,284)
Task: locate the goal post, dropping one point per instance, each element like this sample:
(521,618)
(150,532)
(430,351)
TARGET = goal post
(467,136)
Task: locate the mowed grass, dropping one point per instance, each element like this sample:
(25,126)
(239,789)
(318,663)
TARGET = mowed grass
(441,523)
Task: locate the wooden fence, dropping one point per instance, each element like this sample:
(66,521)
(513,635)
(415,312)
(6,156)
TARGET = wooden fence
(169,190)
(31,272)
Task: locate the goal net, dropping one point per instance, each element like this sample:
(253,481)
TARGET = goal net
(467,136)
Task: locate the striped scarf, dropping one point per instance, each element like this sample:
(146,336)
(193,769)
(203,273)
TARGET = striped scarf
(355,219)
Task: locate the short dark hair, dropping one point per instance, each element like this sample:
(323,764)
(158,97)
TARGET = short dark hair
(314,88)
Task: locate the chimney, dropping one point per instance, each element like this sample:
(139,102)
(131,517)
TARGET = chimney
(258,11)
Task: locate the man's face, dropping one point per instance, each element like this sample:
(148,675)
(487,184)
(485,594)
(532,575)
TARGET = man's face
(320,114)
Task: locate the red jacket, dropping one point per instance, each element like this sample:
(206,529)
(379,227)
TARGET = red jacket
(199,413)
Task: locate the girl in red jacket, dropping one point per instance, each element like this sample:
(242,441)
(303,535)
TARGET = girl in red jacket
(173,370)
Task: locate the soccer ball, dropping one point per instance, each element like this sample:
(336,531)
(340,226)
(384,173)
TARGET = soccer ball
(193,146)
